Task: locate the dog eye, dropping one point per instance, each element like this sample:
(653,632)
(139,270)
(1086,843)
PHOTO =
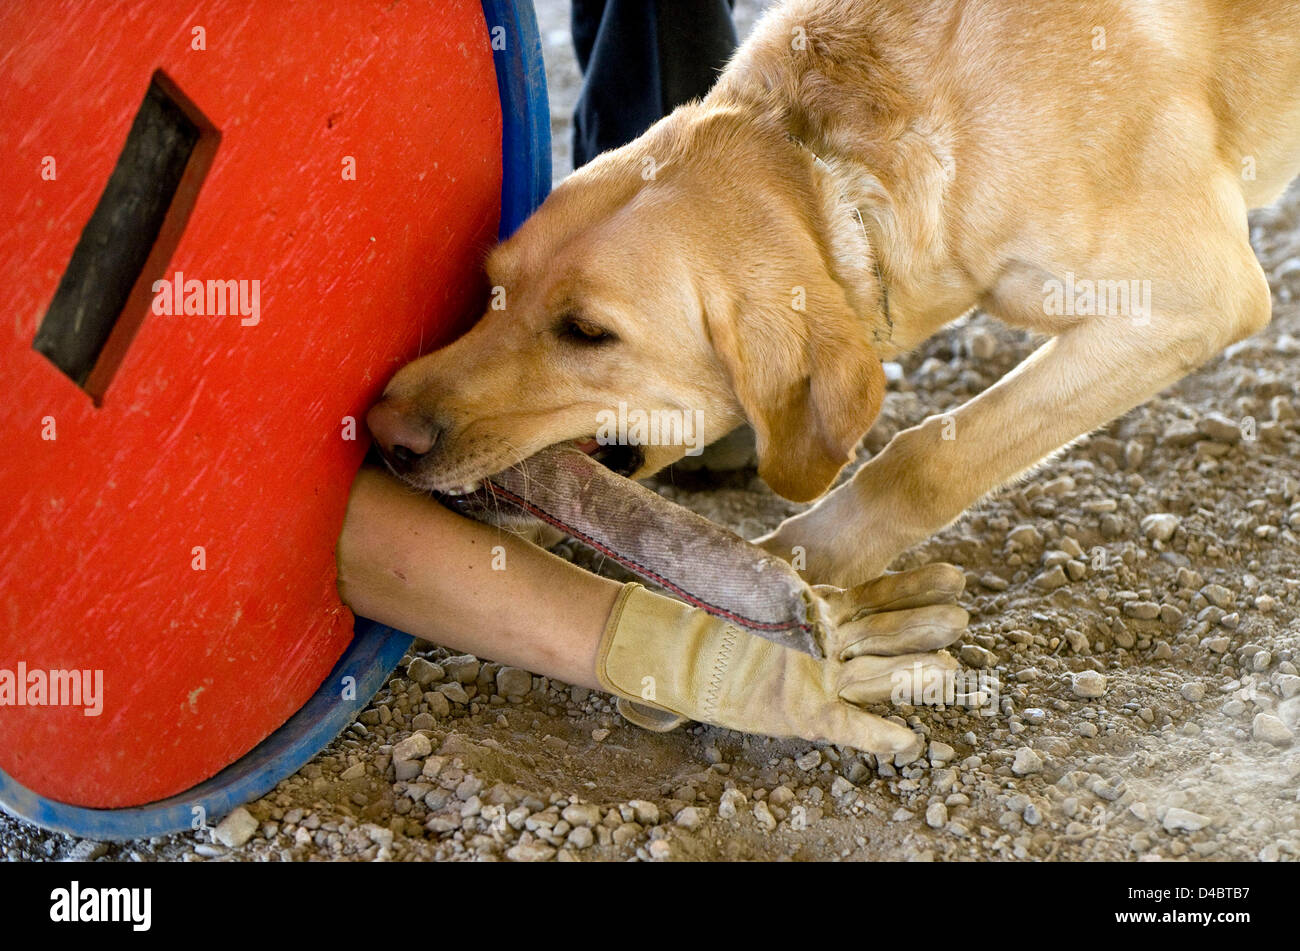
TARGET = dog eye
(584,331)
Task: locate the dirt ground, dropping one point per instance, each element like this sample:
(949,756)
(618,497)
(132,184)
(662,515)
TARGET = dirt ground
(1148,666)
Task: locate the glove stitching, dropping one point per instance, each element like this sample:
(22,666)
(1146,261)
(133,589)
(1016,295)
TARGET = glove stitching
(712,695)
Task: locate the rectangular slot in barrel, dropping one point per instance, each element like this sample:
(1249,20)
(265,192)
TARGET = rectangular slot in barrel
(102,297)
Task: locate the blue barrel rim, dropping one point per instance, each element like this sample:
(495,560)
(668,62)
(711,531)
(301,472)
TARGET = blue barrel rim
(525,110)
(376,649)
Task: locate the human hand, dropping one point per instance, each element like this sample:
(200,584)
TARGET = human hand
(671,661)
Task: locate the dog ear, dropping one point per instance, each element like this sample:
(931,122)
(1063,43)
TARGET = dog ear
(811,386)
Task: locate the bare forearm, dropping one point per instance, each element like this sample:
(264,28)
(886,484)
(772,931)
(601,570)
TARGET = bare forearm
(406,561)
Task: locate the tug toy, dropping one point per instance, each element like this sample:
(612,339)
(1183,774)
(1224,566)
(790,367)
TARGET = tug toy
(657,540)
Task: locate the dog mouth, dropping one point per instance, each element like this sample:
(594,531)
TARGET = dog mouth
(623,460)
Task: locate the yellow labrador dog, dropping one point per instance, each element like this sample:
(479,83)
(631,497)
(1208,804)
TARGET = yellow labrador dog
(865,172)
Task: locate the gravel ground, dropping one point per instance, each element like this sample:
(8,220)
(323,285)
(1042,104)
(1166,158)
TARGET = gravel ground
(1139,597)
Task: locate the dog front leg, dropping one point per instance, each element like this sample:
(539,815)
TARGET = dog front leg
(929,474)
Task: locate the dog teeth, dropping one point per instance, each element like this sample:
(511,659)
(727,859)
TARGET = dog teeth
(464,489)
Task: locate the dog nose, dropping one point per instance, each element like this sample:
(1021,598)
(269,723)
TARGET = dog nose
(403,436)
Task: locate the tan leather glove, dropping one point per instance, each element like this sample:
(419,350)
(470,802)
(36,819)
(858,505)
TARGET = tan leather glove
(673,662)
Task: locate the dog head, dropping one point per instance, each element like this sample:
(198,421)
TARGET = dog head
(688,277)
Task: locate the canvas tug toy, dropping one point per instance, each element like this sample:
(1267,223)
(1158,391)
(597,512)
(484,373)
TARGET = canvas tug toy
(659,541)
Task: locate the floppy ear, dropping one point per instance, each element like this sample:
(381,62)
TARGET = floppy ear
(811,386)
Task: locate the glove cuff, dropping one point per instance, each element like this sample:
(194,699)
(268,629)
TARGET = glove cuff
(639,713)
(641,618)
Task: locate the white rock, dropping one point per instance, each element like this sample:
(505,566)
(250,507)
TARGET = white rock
(530,852)
(732,799)
(415,746)
(1160,526)
(1289,685)
(1184,820)
(1025,536)
(688,817)
(941,752)
(1288,711)
(1089,683)
(1026,762)
(236,829)
(1270,729)
(810,760)
(582,814)
(87,850)
(581,838)
(646,813)
(1219,596)
(781,796)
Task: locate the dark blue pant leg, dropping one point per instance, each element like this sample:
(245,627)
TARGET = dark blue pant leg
(640,59)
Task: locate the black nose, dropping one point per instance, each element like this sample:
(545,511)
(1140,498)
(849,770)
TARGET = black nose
(403,436)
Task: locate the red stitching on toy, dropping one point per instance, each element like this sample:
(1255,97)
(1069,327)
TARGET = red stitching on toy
(645,572)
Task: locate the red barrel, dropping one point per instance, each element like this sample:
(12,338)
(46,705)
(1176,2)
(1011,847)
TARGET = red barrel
(177,467)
